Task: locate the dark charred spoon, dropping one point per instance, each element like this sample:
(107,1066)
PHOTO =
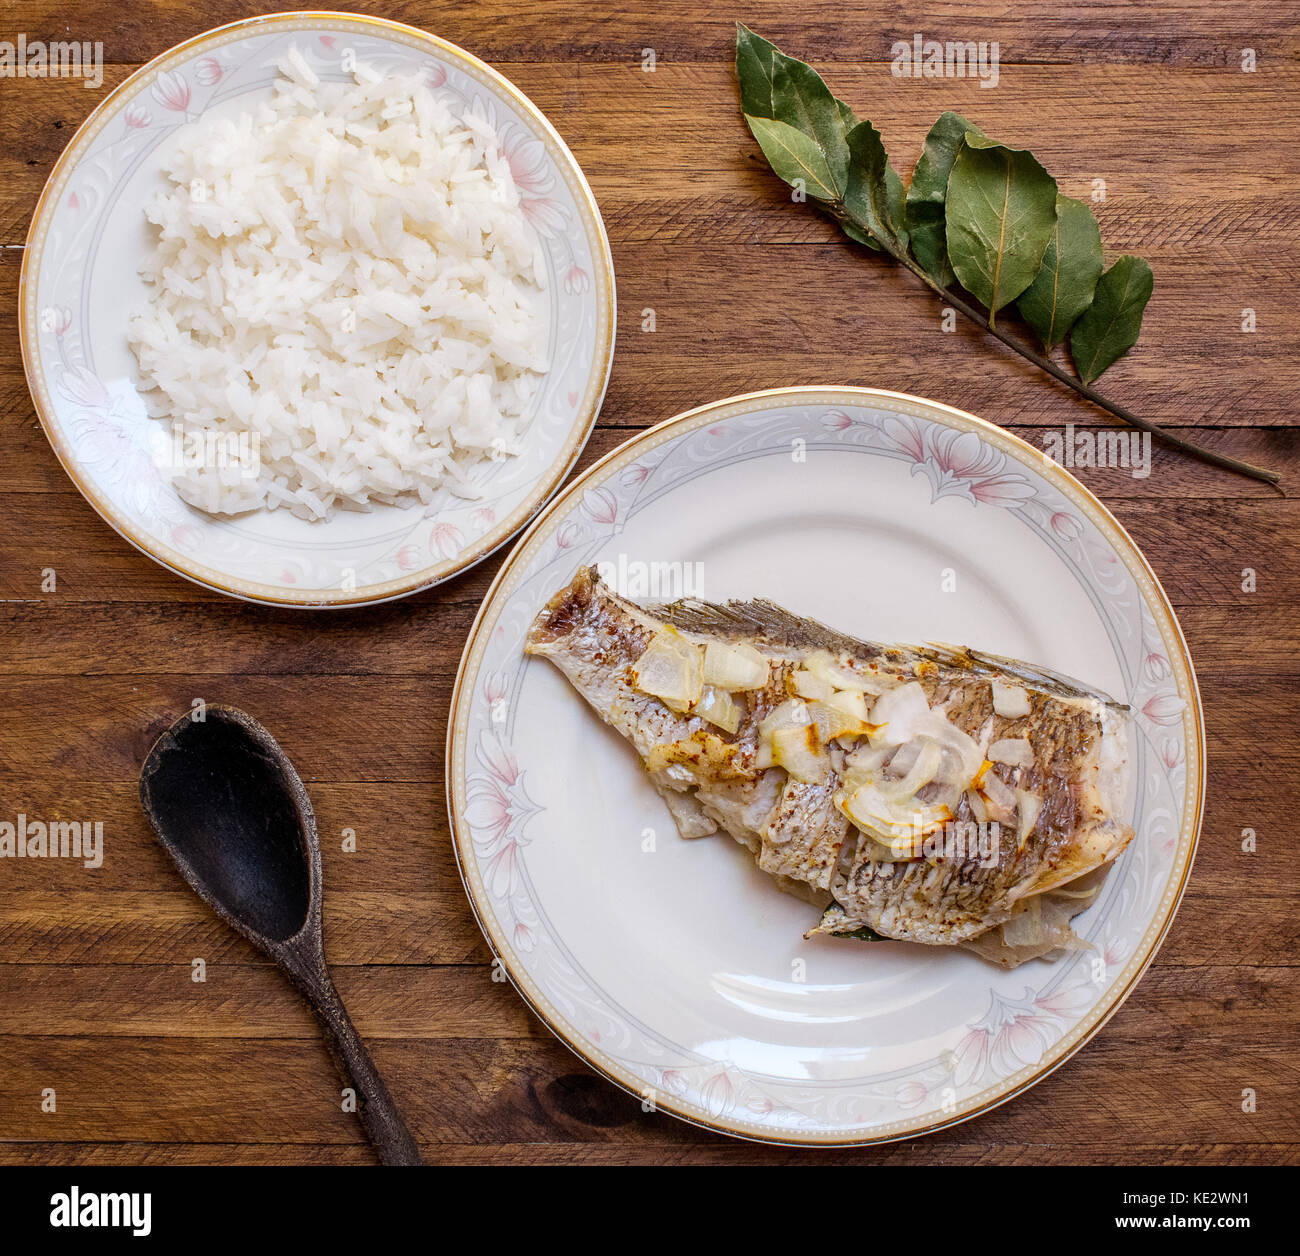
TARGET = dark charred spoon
(228,807)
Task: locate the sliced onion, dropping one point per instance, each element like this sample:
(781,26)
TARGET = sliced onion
(900,827)
(998,797)
(1015,751)
(863,765)
(833,721)
(839,675)
(921,772)
(903,712)
(977,807)
(671,669)
(718,707)
(904,716)
(903,758)
(1009,701)
(790,714)
(806,685)
(1029,806)
(850,703)
(734,666)
(799,751)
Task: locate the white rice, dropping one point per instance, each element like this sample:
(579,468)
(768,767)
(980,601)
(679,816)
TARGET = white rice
(345,283)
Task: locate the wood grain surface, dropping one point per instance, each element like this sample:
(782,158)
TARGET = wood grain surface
(1202,172)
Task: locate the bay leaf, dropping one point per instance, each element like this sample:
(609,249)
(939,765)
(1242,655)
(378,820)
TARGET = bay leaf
(929,191)
(874,192)
(790,91)
(1110,326)
(1065,282)
(999,214)
(801,99)
(754,56)
(795,157)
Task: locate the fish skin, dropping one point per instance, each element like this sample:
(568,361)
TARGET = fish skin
(793,830)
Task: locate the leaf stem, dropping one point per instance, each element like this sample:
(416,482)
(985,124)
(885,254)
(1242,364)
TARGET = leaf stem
(1046,364)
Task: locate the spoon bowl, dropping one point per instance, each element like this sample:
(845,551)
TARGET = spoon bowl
(234,820)
(226,804)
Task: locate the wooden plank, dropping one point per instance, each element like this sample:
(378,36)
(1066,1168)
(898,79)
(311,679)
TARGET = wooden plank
(502,1090)
(667,1153)
(873,325)
(1190,32)
(255,1001)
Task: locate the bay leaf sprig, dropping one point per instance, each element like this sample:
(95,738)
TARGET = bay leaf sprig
(979,218)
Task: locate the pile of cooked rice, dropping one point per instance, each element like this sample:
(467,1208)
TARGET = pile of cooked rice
(346,283)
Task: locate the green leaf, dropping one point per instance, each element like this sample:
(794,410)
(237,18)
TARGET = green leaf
(874,195)
(999,216)
(1065,282)
(1110,326)
(754,57)
(787,90)
(801,98)
(928,192)
(795,157)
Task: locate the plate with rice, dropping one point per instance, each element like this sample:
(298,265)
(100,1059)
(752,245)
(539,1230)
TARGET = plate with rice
(317,309)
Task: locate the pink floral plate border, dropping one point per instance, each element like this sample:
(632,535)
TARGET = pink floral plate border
(1021,1036)
(97,424)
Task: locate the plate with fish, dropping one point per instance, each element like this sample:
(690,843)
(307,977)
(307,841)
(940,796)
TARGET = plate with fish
(317,309)
(825,766)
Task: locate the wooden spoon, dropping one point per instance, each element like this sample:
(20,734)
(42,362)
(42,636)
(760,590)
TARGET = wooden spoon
(230,810)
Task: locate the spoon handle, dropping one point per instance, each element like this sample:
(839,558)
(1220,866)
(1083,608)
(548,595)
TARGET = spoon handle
(375,1106)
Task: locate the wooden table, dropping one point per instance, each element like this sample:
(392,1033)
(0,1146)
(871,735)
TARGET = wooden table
(1202,173)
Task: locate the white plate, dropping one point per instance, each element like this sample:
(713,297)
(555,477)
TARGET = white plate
(80,282)
(681,972)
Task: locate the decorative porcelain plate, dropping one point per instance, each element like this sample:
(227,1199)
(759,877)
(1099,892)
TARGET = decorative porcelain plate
(678,969)
(80,284)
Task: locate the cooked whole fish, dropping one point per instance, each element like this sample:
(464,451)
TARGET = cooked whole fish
(933,794)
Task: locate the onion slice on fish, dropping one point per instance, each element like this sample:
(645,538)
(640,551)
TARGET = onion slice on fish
(998,797)
(1028,805)
(807,685)
(901,827)
(1009,701)
(671,669)
(718,707)
(839,675)
(798,749)
(1014,751)
(924,765)
(734,666)
(833,721)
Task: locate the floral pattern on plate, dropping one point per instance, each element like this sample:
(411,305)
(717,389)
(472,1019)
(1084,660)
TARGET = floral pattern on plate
(1029,1019)
(79,278)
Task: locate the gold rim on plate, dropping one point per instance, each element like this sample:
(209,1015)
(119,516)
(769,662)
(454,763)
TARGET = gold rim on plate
(1149,589)
(589,407)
